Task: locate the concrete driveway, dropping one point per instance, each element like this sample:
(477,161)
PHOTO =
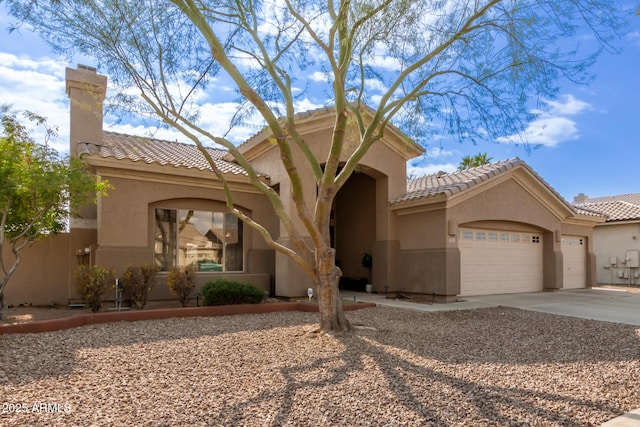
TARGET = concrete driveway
(598,304)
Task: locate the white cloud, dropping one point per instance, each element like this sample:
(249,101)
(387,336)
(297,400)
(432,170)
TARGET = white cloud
(552,127)
(385,62)
(437,152)
(417,171)
(307,105)
(549,132)
(375,100)
(319,76)
(216,118)
(571,106)
(634,37)
(37,85)
(375,84)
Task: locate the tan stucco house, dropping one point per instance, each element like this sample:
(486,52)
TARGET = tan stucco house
(617,240)
(493,229)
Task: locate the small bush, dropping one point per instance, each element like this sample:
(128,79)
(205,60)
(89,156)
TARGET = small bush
(139,281)
(223,292)
(181,282)
(93,282)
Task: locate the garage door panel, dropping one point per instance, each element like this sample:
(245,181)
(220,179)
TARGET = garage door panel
(497,261)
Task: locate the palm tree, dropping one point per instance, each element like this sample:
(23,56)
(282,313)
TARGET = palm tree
(469,162)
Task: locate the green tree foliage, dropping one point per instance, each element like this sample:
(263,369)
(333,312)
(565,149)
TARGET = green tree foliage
(37,187)
(469,162)
(468,69)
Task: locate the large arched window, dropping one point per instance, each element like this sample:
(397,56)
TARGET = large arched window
(210,241)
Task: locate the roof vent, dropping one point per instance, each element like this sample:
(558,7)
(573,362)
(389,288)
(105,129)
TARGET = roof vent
(440,174)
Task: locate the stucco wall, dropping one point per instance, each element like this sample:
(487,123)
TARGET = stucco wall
(508,201)
(429,257)
(614,240)
(126,217)
(45,273)
(364,221)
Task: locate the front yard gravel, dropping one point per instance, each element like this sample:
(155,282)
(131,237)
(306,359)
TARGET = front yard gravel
(489,367)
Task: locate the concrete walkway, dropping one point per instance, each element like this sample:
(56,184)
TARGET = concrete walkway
(607,305)
(598,304)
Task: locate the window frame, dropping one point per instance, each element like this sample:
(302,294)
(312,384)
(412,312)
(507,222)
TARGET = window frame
(179,260)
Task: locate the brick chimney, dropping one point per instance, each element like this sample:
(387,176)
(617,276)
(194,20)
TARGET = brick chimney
(86,90)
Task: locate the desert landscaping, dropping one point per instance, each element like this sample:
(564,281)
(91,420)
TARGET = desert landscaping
(486,367)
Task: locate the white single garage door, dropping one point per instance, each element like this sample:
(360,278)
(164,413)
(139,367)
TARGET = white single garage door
(574,261)
(500,261)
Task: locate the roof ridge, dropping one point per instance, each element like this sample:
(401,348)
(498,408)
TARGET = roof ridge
(457,181)
(127,135)
(150,150)
(605,202)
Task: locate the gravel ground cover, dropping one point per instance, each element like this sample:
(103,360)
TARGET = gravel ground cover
(489,367)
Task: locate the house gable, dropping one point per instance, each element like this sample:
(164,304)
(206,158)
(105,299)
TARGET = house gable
(322,120)
(450,190)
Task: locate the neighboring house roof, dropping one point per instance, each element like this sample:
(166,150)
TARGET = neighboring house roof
(450,184)
(624,207)
(582,210)
(633,198)
(156,151)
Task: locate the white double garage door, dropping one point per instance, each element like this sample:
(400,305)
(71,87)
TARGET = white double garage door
(502,261)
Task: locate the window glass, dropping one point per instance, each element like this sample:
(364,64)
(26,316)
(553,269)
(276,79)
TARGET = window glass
(210,241)
(481,235)
(467,235)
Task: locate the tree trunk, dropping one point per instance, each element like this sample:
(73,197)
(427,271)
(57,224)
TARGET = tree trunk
(3,307)
(332,318)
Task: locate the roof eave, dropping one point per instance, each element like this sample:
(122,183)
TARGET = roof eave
(418,204)
(97,161)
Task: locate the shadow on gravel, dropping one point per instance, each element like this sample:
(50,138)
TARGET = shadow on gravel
(475,367)
(53,354)
(480,367)
(505,336)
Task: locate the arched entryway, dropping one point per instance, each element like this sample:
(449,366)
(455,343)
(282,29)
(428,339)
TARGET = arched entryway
(353,227)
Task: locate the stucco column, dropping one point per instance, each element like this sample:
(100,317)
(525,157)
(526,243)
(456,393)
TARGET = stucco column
(552,263)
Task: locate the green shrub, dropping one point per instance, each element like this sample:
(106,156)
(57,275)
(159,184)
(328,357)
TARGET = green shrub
(93,282)
(223,292)
(181,282)
(139,281)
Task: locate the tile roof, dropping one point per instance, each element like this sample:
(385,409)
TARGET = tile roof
(614,210)
(449,184)
(164,153)
(633,198)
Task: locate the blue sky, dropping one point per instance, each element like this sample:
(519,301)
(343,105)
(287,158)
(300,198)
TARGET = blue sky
(589,139)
